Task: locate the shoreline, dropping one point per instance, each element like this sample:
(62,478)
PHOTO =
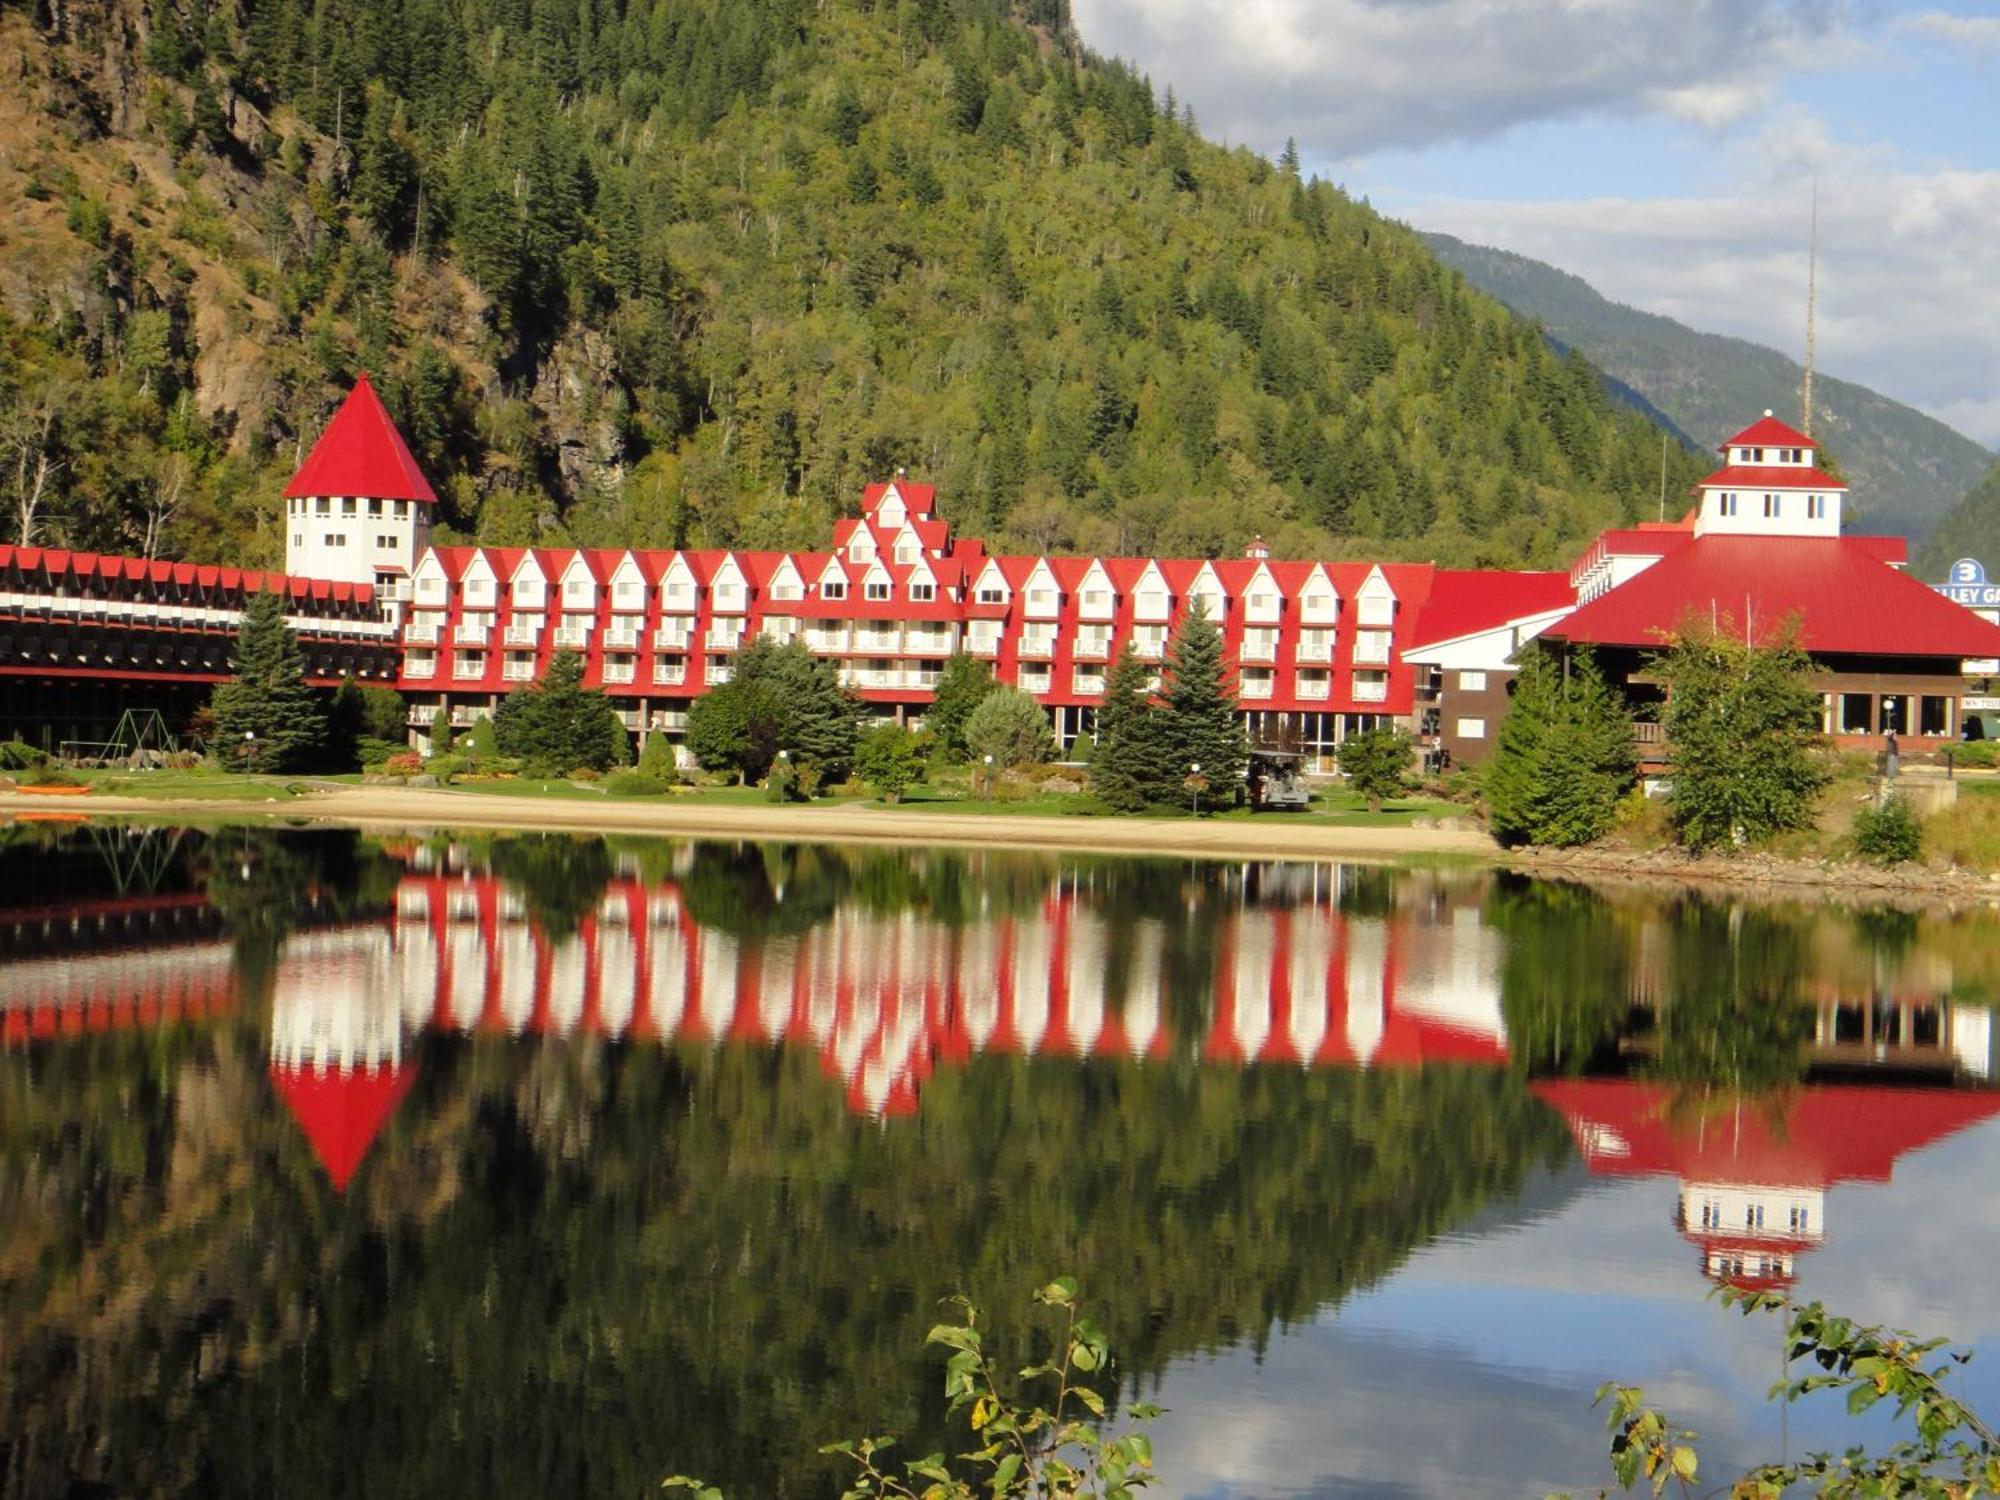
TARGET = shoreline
(1768,875)
(398,809)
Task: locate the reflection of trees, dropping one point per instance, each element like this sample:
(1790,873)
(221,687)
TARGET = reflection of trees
(263,882)
(1566,973)
(560,877)
(574,1269)
(1734,1016)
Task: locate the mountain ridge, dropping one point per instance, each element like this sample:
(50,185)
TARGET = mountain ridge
(1908,470)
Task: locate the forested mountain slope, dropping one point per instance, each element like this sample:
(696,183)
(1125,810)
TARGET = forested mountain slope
(1971,530)
(1908,470)
(646,271)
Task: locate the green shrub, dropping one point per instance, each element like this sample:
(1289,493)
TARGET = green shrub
(586,774)
(1982,754)
(19,755)
(1888,833)
(48,773)
(639,783)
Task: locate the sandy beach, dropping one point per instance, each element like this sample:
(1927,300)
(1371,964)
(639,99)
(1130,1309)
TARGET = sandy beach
(387,808)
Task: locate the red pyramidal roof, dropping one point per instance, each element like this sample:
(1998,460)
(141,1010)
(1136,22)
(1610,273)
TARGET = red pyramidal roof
(1768,432)
(342,1111)
(361,454)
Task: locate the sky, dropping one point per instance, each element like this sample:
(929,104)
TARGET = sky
(1664,150)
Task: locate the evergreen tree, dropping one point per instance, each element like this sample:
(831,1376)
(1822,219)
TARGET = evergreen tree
(558,725)
(889,760)
(1201,726)
(265,716)
(1743,736)
(1563,756)
(1132,763)
(965,680)
(736,726)
(1376,763)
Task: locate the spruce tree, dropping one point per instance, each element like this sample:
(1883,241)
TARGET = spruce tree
(1132,762)
(266,718)
(1563,756)
(1376,763)
(1201,725)
(558,725)
(964,681)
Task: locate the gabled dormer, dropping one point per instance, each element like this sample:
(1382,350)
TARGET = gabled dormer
(909,547)
(729,589)
(1207,587)
(680,592)
(878,585)
(528,589)
(861,548)
(1263,603)
(429,586)
(1041,593)
(833,582)
(1319,600)
(628,586)
(893,510)
(1375,602)
(1096,597)
(990,587)
(921,584)
(479,585)
(577,588)
(1152,600)
(787,585)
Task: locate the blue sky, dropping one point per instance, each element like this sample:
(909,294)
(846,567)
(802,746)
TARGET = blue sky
(1662,149)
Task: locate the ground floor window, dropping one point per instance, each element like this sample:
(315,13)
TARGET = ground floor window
(1933,715)
(1857,713)
(1895,714)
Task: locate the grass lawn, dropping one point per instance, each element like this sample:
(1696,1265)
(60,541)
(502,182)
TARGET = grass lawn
(196,785)
(1333,807)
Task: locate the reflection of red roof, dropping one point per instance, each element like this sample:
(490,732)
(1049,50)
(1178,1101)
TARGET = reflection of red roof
(1848,600)
(1815,1138)
(1768,432)
(361,454)
(342,1111)
(1465,601)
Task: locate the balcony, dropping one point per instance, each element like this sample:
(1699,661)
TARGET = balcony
(424,632)
(1314,687)
(1037,647)
(573,635)
(724,637)
(1371,688)
(1256,685)
(518,671)
(1092,645)
(622,635)
(885,639)
(669,673)
(718,671)
(524,635)
(620,671)
(1090,684)
(415,665)
(672,638)
(921,641)
(982,645)
(1314,646)
(467,633)
(1149,647)
(468,668)
(670,718)
(821,639)
(1258,647)
(464,716)
(1034,681)
(1371,649)
(631,718)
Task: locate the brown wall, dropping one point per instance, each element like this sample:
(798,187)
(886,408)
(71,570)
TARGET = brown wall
(1488,704)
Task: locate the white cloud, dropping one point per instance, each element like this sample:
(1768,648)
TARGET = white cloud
(1975,34)
(1907,301)
(1350,76)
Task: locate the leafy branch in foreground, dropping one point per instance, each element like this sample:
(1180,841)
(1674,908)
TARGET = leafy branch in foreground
(1953,1454)
(1053,1452)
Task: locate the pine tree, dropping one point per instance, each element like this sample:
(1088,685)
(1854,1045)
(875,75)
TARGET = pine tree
(558,725)
(1376,763)
(964,681)
(266,718)
(1201,715)
(1563,756)
(1132,764)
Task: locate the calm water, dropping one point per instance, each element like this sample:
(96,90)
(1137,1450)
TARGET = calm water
(337,1165)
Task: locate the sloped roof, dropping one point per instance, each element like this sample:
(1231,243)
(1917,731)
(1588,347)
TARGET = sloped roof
(1466,601)
(1848,600)
(1772,477)
(1768,432)
(361,454)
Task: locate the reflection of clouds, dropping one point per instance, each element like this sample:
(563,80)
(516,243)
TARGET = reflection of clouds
(1471,1369)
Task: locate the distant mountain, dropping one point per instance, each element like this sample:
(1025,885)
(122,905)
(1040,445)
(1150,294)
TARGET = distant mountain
(1908,470)
(1971,530)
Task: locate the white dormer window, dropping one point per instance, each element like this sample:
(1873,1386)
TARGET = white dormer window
(479,590)
(786,590)
(878,589)
(833,588)
(431,588)
(1041,598)
(861,549)
(729,594)
(629,592)
(923,593)
(1096,599)
(577,591)
(907,552)
(991,593)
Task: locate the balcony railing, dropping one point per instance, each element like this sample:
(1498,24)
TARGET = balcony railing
(1314,688)
(420,666)
(1371,653)
(463,670)
(1371,690)
(573,635)
(1256,687)
(1092,646)
(524,635)
(724,637)
(1315,651)
(467,634)
(620,671)
(671,638)
(622,636)
(1038,647)
(519,671)
(464,716)
(424,633)
(929,643)
(1090,683)
(669,674)
(982,645)
(1257,650)
(670,718)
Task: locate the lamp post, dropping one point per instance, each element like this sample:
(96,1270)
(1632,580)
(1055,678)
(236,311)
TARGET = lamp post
(249,747)
(989,778)
(1194,784)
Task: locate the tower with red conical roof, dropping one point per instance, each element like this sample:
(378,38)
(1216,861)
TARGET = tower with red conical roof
(359,508)
(1770,484)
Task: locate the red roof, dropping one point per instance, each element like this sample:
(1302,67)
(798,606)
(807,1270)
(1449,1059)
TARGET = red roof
(1814,1138)
(1771,477)
(1848,599)
(342,1111)
(1768,432)
(1467,601)
(361,454)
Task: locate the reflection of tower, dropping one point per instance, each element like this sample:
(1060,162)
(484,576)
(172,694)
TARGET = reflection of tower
(1754,1175)
(337,1042)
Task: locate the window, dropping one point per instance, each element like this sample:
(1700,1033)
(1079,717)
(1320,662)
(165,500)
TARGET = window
(1711,1214)
(833,588)
(1856,713)
(322,506)
(1933,715)
(335,539)
(1770,507)
(1801,1219)
(878,589)
(384,542)
(1041,598)
(628,592)
(1471,729)
(1472,682)
(1372,646)
(374,507)
(1096,599)
(347,505)
(1263,604)
(298,539)
(906,554)
(923,593)
(1753,1216)
(402,509)
(1895,714)
(991,593)
(1816,507)
(1726,504)
(787,589)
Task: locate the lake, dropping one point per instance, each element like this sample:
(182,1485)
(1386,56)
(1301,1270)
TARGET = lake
(334,1164)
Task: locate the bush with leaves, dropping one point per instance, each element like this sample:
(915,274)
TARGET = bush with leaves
(1563,757)
(1009,726)
(1953,1453)
(1888,832)
(1744,747)
(889,760)
(1376,763)
(961,687)
(1023,1448)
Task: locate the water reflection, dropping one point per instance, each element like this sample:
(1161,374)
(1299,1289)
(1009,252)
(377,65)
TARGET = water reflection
(628,1158)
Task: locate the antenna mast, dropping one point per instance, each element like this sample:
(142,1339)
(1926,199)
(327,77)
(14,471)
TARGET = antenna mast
(1812,297)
